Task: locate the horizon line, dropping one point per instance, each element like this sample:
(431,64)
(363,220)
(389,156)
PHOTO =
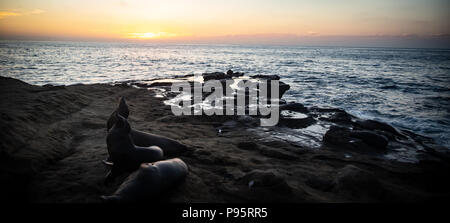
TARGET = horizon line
(434,41)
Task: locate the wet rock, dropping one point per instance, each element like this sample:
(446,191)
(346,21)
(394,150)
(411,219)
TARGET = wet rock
(343,137)
(237,74)
(230,73)
(318,109)
(220,75)
(296,123)
(297,107)
(283,88)
(339,117)
(214,76)
(371,139)
(358,182)
(337,135)
(160,84)
(184,76)
(266,77)
(376,125)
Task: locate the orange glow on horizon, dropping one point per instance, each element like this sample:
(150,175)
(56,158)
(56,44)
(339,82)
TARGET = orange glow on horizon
(197,19)
(149,35)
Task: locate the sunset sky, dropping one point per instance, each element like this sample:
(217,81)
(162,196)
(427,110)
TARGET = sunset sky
(285,21)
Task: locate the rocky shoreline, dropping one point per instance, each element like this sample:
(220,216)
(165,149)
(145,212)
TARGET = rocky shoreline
(53,142)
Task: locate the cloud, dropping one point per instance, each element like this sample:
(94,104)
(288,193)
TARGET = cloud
(34,12)
(313,33)
(5,14)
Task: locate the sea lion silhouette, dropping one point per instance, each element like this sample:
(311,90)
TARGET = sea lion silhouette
(149,181)
(123,153)
(169,146)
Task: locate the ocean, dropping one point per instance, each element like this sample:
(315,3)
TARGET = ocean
(407,88)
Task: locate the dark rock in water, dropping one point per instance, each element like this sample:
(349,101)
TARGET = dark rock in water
(159,84)
(357,140)
(230,73)
(337,135)
(358,182)
(371,139)
(296,107)
(296,123)
(339,117)
(141,85)
(318,109)
(283,88)
(220,75)
(376,125)
(214,76)
(266,77)
(237,74)
(184,76)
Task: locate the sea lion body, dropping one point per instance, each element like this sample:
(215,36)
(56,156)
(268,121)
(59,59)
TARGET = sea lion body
(149,181)
(124,155)
(169,146)
(140,138)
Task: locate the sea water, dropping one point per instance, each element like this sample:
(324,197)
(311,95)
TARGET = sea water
(407,88)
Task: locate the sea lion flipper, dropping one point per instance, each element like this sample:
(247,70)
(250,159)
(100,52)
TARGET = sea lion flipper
(108,162)
(110,176)
(107,179)
(110,199)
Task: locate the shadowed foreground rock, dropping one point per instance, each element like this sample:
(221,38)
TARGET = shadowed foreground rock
(53,143)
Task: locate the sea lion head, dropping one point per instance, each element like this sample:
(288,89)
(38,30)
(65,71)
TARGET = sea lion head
(122,110)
